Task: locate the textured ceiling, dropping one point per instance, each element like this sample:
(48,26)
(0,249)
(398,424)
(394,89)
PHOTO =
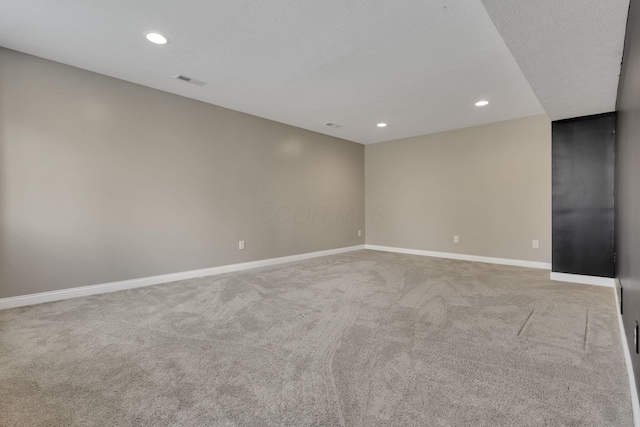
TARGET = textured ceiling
(417,65)
(569,50)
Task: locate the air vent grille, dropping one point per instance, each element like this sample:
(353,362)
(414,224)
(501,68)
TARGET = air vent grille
(190,80)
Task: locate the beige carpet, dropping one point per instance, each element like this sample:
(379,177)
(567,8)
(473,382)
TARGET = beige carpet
(365,338)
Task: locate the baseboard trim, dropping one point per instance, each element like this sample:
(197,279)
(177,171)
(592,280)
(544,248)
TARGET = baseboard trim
(609,282)
(635,404)
(463,257)
(39,298)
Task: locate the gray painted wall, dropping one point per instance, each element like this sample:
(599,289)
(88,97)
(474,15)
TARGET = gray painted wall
(628,181)
(103,180)
(491,185)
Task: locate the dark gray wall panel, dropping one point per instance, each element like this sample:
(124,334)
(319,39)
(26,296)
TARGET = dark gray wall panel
(628,181)
(583,195)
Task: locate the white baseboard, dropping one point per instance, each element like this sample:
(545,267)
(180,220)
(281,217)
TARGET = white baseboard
(609,282)
(39,298)
(463,257)
(635,405)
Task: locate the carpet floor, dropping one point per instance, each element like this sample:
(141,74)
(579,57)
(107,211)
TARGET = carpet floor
(359,339)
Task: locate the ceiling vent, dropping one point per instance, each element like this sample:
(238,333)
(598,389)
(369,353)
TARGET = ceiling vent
(332,125)
(190,80)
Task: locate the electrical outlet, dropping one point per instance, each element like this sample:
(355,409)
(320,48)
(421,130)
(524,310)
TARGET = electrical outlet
(456,239)
(535,244)
(241,244)
(359,233)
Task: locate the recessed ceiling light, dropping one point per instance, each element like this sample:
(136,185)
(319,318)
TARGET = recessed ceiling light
(481,103)
(382,125)
(156,38)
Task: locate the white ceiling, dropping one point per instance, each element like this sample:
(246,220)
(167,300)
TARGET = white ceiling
(417,65)
(569,50)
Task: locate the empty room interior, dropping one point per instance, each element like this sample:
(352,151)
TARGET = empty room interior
(319,213)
